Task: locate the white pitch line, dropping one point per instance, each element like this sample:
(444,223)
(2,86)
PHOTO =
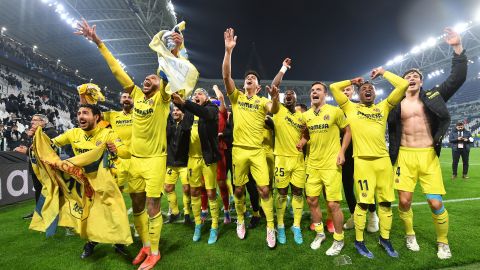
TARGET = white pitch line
(460,164)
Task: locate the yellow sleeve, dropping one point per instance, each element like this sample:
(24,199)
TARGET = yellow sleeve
(337,92)
(342,121)
(107,116)
(400,85)
(63,139)
(163,91)
(265,102)
(120,74)
(234,96)
(122,149)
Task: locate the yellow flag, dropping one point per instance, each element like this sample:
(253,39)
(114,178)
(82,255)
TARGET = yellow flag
(92,203)
(182,75)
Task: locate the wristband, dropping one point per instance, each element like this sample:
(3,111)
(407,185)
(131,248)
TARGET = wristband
(284,69)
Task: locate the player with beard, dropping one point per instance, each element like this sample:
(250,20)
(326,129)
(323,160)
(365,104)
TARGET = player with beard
(203,156)
(121,122)
(373,173)
(416,128)
(249,111)
(148,147)
(87,137)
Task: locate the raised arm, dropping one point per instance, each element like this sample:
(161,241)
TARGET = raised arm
(458,73)
(122,77)
(273,106)
(230,42)
(286,65)
(337,90)
(220,98)
(206,112)
(398,82)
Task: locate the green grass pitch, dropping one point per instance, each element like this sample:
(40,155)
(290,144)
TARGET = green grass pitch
(21,248)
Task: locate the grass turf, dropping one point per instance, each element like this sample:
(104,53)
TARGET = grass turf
(22,248)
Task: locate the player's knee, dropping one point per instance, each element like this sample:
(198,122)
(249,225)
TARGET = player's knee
(283,191)
(363,206)
(211,194)
(312,201)
(435,202)
(169,188)
(333,206)
(186,189)
(239,193)
(385,204)
(296,191)
(195,192)
(405,203)
(264,191)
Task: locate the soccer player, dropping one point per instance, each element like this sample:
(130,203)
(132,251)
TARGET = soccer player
(178,140)
(373,173)
(203,156)
(87,137)
(416,129)
(148,147)
(121,122)
(347,180)
(289,162)
(249,111)
(324,163)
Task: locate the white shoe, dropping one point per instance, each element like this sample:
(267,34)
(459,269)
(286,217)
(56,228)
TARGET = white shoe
(317,242)
(271,238)
(350,224)
(443,251)
(241,230)
(372,222)
(411,242)
(335,249)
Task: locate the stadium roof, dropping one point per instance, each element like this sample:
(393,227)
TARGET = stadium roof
(126,27)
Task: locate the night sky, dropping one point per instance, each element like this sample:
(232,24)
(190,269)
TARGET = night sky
(327,40)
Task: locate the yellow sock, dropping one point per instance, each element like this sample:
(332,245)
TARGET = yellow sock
(407,218)
(140,220)
(267,205)
(196,209)
(256,213)
(154,231)
(360,219)
(240,208)
(338,236)
(230,188)
(214,212)
(319,228)
(441,226)
(281,206)
(186,204)
(172,202)
(297,205)
(385,217)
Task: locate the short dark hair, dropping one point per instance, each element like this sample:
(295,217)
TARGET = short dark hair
(414,70)
(321,83)
(460,123)
(252,72)
(95,109)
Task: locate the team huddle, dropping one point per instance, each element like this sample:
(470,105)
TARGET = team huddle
(160,137)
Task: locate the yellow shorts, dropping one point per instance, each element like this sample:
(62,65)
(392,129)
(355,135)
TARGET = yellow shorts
(246,160)
(198,169)
(148,174)
(174,173)
(123,172)
(373,177)
(418,164)
(289,170)
(317,180)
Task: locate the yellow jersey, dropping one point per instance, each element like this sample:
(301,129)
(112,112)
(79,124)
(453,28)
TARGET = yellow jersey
(324,130)
(121,122)
(267,142)
(248,118)
(84,141)
(288,132)
(195,147)
(369,123)
(149,126)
